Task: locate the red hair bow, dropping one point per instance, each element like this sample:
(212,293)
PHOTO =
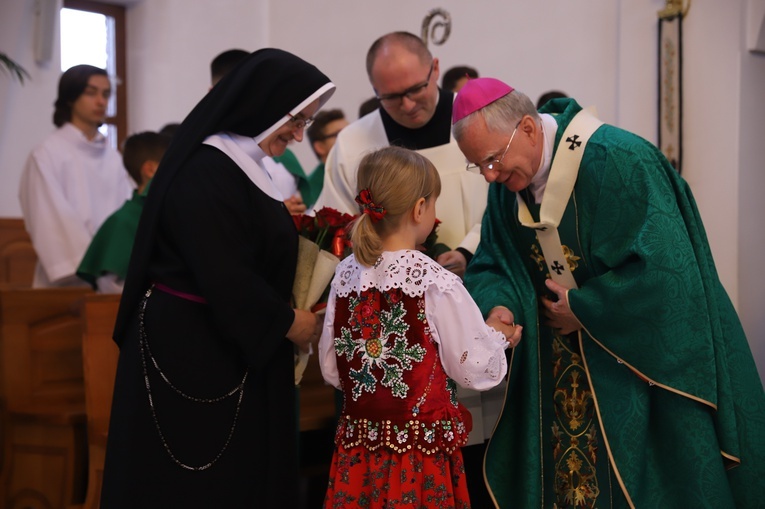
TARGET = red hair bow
(368,206)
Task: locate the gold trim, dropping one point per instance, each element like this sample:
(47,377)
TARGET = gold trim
(611,459)
(674,8)
(483,463)
(731,458)
(645,378)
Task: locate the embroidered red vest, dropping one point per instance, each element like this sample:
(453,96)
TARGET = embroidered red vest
(396,393)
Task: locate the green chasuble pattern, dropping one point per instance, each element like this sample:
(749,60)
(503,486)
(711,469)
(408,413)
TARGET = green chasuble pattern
(109,251)
(657,402)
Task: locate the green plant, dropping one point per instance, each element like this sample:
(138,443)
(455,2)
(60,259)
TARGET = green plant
(14,69)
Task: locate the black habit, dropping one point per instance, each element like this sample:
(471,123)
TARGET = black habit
(204,400)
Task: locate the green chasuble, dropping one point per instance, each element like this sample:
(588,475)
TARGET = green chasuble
(309,186)
(656,403)
(109,251)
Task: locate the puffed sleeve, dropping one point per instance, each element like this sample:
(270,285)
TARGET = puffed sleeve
(327,358)
(472,353)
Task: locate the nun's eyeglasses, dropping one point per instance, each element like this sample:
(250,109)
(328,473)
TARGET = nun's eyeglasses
(299,122)
(412,93)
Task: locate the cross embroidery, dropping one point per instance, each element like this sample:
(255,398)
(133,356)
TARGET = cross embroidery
(557,267)
(574,142)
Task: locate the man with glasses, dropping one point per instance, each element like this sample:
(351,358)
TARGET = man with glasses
(634,385)
(414,114)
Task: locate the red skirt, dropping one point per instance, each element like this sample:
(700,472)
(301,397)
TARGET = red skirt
(384,479)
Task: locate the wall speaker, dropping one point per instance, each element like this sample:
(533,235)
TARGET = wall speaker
(47,14)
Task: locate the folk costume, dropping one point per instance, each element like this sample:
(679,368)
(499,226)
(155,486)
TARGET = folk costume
(656,401)
(70,185)
(204,403)
(105,263)
(397,339)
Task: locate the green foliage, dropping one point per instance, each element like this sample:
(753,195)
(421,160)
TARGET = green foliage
(12,68)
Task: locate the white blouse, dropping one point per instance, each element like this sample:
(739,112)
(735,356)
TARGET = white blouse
(472,353)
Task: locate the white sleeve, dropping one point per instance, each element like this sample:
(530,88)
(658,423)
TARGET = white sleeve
(109,283)
(327,358)
(58,235)
(339,188)
(472,239)
(472,353)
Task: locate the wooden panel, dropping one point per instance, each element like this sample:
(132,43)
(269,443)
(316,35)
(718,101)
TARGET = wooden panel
(44,464)
(17,256)
(317,399)
(41,347)
(99,359)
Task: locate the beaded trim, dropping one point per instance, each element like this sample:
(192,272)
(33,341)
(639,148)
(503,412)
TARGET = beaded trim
(144,347)
(428,437)
(411,271)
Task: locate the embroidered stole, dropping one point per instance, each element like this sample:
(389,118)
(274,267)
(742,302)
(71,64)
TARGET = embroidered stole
(560,185)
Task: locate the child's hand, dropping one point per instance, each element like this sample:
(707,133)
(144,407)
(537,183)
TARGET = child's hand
(501,319)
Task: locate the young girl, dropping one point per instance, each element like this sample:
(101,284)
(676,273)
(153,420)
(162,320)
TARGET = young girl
(400,331)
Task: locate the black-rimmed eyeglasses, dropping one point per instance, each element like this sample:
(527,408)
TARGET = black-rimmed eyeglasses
(412,93)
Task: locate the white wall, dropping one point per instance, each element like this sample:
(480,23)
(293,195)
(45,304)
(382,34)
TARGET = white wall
(26,111)
(751,205)
(603,52)
(170,46)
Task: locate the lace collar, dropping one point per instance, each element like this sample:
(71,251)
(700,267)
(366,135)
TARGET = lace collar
(411,271)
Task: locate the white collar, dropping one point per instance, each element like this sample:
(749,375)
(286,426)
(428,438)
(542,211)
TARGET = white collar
(539,181)
(248,155)
(409,270)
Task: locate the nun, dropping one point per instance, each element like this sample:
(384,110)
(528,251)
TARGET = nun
(204,399)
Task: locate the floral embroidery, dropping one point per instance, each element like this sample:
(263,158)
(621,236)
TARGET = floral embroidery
(539,258)
(410,271)
(381,342)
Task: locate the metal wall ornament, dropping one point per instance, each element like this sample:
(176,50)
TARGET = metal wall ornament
(670,80)
(430,24)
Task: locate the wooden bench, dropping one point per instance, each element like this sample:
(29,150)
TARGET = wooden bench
(17,256)
(99,360)
(44,464)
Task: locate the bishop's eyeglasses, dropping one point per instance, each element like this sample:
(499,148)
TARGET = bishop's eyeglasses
(494,164)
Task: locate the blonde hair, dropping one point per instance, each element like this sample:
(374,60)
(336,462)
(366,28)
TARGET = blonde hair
(396,178)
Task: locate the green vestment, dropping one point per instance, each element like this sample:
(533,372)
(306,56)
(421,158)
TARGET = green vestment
(661,376)
(308,185)
(109,251)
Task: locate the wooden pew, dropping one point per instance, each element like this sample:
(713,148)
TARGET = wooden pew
(99,360)
(17,256)
(317,400)
(42,385)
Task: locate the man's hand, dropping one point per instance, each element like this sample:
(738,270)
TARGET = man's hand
(453,261)
(559,315)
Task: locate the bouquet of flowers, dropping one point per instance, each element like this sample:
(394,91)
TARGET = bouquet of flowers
(323,242)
